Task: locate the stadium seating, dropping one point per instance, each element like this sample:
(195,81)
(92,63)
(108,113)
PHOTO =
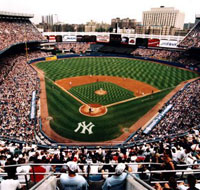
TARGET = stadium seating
(192,39)
(179,56)
(22,140)
(77,47)
(17,31)
(18,80)
(182,117)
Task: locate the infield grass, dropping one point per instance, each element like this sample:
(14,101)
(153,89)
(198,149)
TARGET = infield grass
(87,94)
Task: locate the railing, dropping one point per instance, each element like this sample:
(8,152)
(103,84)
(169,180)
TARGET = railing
(150,164)
(41,182)
(141,182)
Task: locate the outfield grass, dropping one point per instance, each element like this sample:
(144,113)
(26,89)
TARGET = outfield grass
(65,110)
(87,94)
(157,75)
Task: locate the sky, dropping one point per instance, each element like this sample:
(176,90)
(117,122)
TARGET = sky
(82,11)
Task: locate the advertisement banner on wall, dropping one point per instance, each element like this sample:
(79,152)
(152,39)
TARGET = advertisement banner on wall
(69,38)
(51,58)
(125,40)
(132,41)
(168,43)
(52,39)
(103,38)
(153,42)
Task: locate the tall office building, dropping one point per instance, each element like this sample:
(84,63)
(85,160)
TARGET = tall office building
(50,19)
(164,16)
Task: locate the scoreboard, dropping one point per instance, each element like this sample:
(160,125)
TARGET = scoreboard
(115,38)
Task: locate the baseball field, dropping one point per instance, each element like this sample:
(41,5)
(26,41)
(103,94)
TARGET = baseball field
(95,99)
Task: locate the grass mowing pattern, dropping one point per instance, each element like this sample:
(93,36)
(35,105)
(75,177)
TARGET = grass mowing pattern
(157,75)
(87,94)
(65,112)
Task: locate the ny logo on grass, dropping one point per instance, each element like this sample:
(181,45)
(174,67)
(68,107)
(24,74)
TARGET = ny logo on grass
(85,127)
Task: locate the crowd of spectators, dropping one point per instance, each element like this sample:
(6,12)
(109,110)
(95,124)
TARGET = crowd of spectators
(183,116)
(76,47)
(15,31)
(167,154)
(17,82)
(160,54)
(189,61)
(38,54)
(167,55)
(192,39)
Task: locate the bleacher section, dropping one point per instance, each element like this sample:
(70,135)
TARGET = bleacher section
(16,29)
(95,47)
(192,39)
(189,57)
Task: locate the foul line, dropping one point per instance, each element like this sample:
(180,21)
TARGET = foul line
(108,105)
(61,87)
(69,93)
(130,99)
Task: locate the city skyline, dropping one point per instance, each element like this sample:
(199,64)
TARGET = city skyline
(77,12)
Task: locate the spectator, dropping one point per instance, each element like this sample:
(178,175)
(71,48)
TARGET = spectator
(37,169)
(23,169)
(118,179)
(191,182)
(168,165)
(172,184)
(72,179)
(10,184)
(11,171)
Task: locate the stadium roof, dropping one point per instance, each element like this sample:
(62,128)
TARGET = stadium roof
(197,15)
(19,15)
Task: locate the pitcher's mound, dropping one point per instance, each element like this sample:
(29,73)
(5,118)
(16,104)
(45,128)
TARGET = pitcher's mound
(100,92)
(93,110)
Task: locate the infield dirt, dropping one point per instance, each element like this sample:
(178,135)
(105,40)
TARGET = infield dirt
(139,88)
